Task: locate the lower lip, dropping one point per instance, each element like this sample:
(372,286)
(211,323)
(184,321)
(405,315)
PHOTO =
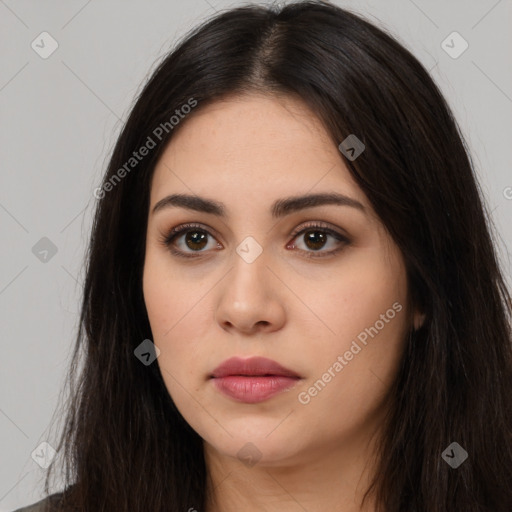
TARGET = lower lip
(252,390)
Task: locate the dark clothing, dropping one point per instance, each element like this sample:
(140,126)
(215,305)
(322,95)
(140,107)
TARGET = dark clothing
(42,505)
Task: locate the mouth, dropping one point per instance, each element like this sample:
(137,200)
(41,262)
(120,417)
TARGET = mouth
(253,389)
(252,380)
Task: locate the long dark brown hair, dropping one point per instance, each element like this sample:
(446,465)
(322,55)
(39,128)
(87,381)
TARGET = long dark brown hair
(125,446)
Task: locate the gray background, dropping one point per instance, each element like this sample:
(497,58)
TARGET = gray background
(60,118)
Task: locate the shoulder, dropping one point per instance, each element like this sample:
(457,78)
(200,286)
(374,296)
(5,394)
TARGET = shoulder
(44,505)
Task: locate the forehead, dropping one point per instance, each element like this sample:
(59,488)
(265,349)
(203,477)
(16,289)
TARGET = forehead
(250,146)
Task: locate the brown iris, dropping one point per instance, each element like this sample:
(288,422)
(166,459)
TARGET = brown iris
(196,238)
(317,239)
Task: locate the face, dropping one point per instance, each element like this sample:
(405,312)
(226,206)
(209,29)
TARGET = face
(316,286)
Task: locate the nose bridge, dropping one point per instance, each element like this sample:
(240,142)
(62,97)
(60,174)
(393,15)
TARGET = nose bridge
(248,295)
(249,272)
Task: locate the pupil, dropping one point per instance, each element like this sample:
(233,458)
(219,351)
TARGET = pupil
(316,238)
(195,237)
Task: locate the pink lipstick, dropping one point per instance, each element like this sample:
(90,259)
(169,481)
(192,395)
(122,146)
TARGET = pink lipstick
(252,380)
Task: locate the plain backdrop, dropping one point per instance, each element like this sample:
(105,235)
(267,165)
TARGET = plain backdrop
(61,116)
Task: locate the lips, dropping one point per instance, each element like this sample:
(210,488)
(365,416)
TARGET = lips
(252,380)
(254,367)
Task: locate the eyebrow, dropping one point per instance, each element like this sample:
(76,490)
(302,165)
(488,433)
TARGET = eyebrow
(279,208)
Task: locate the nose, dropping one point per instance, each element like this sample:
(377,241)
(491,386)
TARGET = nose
(251,298)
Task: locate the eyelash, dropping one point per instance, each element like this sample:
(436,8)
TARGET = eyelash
(168,239)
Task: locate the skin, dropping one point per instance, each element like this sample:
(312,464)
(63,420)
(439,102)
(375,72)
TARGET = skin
(247,152)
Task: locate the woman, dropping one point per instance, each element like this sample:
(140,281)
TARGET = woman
(292,299)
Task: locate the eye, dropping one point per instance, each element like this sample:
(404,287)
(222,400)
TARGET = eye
(315,236)
(193,238)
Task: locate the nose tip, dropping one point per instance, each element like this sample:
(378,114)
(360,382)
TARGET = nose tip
(250,301)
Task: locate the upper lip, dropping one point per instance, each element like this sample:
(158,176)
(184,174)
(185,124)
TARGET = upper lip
(253,366)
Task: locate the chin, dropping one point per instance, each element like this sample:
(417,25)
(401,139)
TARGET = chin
(255,446)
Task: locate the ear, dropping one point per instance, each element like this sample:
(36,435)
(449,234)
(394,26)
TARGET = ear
(419,319)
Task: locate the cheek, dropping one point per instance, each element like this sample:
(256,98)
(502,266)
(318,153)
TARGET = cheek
(364,308)
(167,312)
(179,323)
(168,296)
(360,291)
(351,372)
